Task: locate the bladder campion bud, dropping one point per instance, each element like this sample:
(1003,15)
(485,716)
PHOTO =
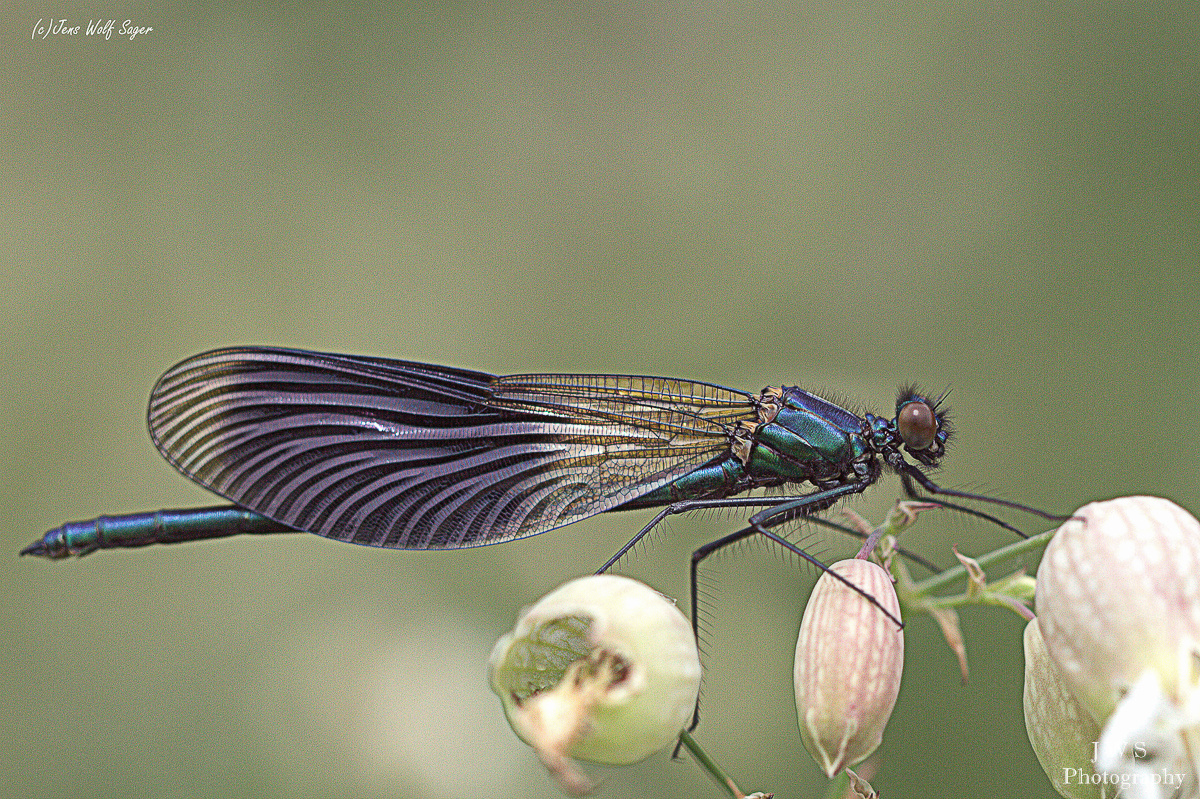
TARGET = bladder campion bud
(603,668)
(1060,729)
(1118,591)
(1118,601)
(849,657)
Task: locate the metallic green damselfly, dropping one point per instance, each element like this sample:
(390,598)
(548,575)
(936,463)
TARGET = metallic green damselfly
(406,455)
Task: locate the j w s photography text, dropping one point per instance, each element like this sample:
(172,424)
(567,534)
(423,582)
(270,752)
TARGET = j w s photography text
(45,28)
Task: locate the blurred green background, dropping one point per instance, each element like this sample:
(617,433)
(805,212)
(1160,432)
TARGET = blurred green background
(997,200)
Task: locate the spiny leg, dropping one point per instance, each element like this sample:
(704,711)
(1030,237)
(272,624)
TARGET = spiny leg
(937,492)
(785,509)
(907,554)
(788,545)
(697,556)
(910,474)
(700,504)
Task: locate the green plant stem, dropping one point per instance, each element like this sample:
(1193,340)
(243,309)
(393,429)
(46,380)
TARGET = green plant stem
(949,576)
(710,765)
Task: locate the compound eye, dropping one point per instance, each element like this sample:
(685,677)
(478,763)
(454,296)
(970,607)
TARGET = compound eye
(917,425)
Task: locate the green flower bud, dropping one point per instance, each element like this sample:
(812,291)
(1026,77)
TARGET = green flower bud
(849,658)
(1060,729)
(603,668)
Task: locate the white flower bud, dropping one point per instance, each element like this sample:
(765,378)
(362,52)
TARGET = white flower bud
(1118,591)
(603,668)
(1118,600)
(849,658)
(1060,729)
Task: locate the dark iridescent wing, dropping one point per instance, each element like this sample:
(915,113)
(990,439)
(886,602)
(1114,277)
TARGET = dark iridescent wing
(413,456)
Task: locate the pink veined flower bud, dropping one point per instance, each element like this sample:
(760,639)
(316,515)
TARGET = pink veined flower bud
(849,658)
(1118,600)
(1118,591)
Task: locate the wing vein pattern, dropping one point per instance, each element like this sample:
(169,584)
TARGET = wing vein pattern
(413,456)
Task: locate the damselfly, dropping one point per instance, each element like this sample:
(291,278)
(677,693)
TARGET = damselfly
(406,455)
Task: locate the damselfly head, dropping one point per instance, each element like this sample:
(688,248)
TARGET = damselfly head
(923,428)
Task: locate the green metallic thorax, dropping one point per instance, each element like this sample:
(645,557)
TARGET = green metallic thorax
(800,444)
(798,438)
